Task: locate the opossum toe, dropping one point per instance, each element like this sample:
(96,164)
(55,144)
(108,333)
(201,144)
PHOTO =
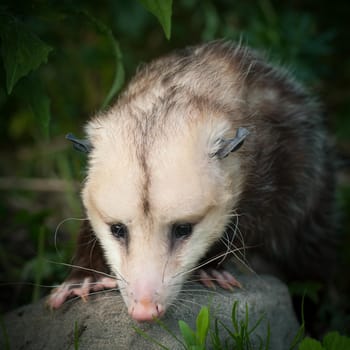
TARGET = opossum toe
(81,289)
(221,277)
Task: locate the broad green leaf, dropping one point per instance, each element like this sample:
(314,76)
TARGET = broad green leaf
(162,9)
(202,323)
(310,344)
(335,341)
(22,50)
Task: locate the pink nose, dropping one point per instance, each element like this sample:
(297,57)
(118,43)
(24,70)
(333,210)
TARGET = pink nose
(145,310)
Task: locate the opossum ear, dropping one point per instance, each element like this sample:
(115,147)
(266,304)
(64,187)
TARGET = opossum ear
(231,145)
(80,145)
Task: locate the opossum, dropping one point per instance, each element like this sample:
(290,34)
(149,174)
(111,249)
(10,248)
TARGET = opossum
(210,152)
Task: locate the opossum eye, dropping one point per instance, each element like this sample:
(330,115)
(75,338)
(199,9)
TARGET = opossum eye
(181,231)
(119,231)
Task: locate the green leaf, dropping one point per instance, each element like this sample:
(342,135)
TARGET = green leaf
(162,9)
(32,91)
(310,290)
(335,341)
(202,324)
(5,337)
(119,75)
(310,344)
(22,50)
(187,333)
(40,106)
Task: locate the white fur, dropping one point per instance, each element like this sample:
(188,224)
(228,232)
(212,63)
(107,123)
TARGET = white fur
(184,185)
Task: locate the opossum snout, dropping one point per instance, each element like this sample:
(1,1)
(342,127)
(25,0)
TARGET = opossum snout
(144,302)
(145,310)
(145,294)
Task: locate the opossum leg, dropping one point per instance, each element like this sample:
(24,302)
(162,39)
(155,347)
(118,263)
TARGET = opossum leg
(78,288)
(210,277)
(89,272)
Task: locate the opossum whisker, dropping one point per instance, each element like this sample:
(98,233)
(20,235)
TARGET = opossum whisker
(227,239)
(92,250)
(229,245)
(119,276)
(84,269)
(92,283)
(87,243)
(199,291)
(236,230)
(204,263)
(104,291)
(184,304)
(75,298)
(242,260)
(110,298)
(185,301)
(32,284)
(232,251)
(59,226)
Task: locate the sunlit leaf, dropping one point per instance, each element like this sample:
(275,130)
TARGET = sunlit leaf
(187,333)
(202,324)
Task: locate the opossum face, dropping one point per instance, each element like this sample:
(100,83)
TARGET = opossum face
(157,204)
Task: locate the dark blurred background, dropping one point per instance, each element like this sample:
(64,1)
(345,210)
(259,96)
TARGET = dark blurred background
(74,56)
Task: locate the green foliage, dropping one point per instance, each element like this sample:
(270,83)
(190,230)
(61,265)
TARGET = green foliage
(238,336)
(22,50)
(309,290)
(119,75)
(195,339)
(241,331)
(34,94)
(4,334)
(331,341)
(310,344)
(40,264)
(162,9)
(76,336)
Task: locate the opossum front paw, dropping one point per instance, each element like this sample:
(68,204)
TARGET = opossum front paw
(224,279)
(79,288)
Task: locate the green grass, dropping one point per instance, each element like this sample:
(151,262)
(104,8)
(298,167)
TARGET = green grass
(4,334)
(239,335)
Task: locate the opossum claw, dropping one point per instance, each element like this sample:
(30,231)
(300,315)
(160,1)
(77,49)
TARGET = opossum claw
(206,279)
(81,289)
(223,278)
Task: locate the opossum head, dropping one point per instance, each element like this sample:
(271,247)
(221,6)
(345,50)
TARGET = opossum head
(158,196)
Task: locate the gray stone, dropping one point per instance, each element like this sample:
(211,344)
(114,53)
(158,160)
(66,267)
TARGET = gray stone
(103,322)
